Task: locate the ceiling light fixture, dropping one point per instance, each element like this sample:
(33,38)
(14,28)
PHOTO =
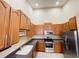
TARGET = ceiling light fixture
(36,4)
(57,3)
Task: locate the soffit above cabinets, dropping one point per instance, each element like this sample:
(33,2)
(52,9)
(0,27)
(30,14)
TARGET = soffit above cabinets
(46,3)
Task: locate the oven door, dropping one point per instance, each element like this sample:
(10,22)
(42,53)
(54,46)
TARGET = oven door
(49,44)
(49,47)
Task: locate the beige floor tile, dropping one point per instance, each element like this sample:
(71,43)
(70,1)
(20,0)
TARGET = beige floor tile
(49,55)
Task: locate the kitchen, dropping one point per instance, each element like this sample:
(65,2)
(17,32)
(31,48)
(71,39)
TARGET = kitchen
(29,30)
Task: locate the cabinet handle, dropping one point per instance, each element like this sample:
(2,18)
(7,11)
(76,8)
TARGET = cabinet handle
(6,36)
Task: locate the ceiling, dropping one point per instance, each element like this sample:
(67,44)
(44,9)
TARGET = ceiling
(46,3)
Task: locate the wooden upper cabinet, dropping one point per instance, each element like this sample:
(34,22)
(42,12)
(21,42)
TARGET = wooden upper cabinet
(4,24)
(6,5)
(48,26)
(24,22)
(28,24)
(65,27)
(32,29)
(30,32)
(38,29)
(54,28)
(57,29)
(2,21)
(14,27)
(72,23)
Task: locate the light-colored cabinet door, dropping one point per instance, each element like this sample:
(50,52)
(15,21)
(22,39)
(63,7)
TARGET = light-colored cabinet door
(4,24)
(25,22)
(28,23)
(58,47)
(41,46)
(2,21)
(57,29)
(30,32)
(14,27)
(48,26)
(39,29)
(72,23)
(65,27)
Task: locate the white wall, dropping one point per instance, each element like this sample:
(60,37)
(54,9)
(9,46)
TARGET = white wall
(53,15)
(22,5)
(71,9)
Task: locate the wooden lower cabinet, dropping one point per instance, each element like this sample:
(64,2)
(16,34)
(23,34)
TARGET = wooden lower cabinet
(41,46)
(58,48)
(34,52)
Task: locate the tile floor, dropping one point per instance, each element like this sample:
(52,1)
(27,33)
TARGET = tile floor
(49,55)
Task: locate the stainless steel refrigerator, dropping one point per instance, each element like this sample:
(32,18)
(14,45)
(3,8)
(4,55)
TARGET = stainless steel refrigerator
(71,43)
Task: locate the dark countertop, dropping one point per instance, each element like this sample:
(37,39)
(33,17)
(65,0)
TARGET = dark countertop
(32,42)
(54,37)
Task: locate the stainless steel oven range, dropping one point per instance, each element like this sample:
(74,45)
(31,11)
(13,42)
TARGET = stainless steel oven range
(49,45)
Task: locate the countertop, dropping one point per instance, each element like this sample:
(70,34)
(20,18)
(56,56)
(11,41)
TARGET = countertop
(23,40)
(54,37)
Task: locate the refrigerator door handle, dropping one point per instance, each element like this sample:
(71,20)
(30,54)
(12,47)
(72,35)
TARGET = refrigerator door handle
(66,42)
(76,42)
